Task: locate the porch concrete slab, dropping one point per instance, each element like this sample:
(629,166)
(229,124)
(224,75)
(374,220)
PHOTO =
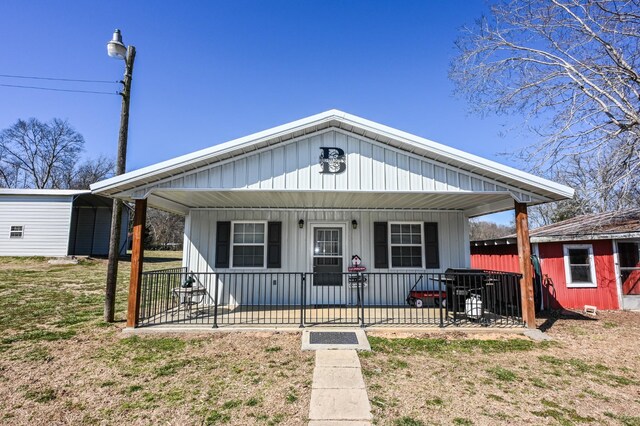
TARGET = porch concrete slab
(339,423)
(337,378)
(339,404)
(363,342)
(331,358)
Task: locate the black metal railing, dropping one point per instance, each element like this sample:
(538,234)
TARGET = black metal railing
(456,297)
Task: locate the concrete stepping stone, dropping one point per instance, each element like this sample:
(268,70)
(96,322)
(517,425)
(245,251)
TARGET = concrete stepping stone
(337,378)
(338,392)
(335,358)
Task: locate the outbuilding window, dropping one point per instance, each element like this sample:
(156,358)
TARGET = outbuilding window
(405,245)
(579,265)
(249,245)
(17,231)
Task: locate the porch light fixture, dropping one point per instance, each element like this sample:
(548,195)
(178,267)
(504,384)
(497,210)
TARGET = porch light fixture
(301,224)
(354,224)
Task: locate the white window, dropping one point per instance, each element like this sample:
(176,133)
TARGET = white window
(405,245)
(17,231)
(579,265)
(248,248)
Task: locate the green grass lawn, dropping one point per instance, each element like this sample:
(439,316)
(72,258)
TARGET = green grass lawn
(61,363)
(589,374)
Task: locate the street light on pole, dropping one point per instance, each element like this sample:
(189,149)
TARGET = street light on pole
(117,49)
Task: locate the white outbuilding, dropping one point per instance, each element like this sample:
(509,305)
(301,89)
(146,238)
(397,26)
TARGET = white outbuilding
(54,222)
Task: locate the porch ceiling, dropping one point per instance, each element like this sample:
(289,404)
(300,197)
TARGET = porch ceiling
(473,204)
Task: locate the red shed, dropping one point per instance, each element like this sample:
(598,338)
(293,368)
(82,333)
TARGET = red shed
(588,260)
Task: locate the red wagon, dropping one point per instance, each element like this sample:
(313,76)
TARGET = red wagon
(420,298)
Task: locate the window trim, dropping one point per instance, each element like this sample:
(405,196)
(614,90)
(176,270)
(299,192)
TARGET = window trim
(264,244)
(567,266)
(11,231)
(391,245)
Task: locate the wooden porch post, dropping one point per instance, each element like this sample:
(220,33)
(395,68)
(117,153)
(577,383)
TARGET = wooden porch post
(137,253)
(524,256)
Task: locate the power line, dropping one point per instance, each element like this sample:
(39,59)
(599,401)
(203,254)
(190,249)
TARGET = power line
(58,79)
(59,90)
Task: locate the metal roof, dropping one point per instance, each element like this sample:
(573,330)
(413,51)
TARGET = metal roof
(338,119)
(596,226)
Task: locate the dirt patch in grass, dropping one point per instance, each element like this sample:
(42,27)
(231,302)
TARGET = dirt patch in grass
(61,364)
(590,374)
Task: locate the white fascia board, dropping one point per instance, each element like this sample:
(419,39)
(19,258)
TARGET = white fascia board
(59,192)
(473,161)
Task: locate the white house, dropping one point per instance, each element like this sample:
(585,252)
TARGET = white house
(306,196)
(53,222)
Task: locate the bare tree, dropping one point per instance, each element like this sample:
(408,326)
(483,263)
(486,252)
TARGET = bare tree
(34,154)
(164,228)
(40,154)
(88,172)
(573,65)
(590,177)
(8,172)
(483,230)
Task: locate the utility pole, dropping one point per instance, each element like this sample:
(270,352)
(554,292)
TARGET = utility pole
(116,49)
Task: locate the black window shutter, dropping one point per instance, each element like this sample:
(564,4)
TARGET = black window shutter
(380,245)
(431,251)
(274,245)
(223,244)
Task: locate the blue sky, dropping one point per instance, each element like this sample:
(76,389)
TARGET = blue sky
(210,71)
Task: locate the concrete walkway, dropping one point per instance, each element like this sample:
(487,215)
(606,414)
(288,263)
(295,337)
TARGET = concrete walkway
(338,394)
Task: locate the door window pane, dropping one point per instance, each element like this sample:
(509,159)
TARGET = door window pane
(328,242)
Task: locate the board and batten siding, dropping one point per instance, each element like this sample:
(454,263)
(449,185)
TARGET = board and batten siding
(200,237)
(45,220)
(371,166)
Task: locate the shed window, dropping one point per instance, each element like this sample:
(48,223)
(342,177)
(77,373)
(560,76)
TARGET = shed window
(579,265)
(17,231)
(405,245)
(249,243)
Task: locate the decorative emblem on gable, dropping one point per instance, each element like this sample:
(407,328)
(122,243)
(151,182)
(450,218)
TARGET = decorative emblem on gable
(332,160)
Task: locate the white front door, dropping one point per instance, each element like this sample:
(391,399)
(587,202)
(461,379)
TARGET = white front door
(327,282)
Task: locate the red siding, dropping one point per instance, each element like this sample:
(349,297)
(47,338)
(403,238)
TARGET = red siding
(496,258)
(605,296)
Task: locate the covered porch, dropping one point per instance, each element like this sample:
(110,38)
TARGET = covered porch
(292,292)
